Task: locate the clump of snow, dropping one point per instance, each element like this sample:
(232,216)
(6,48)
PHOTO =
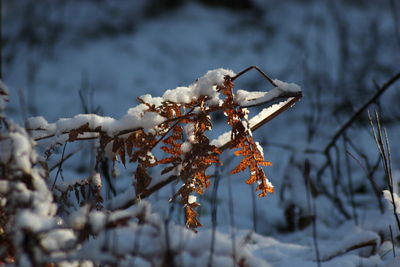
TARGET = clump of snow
(266,112)
(78,219)
(222,139)
(204,86)
(29,220)
(96,179)
(388,196)
(97,221)
(58,239)
(22,149)
(242,95)
(249,99)
(186,146)
(287,87)
(192,199)
(16,148)
(260,148)
(180,94)
(37,123)
(94,121)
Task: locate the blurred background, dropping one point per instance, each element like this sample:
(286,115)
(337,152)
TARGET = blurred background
(61,58)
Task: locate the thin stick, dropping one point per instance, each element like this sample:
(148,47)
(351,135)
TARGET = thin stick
(350,180)
(368,243)
(214,215)
(63,159)
(385,155)
(60,166)
(312,209)
(232,219)
(257,69)
(375,187)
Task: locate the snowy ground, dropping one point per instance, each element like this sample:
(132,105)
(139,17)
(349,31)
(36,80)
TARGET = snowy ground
(299,42)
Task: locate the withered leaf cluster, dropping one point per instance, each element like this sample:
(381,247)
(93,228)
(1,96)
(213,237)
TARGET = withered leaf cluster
(188,153)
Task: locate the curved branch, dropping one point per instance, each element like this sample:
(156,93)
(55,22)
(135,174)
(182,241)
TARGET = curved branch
(350,121)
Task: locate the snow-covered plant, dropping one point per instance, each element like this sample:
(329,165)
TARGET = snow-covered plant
(34,227)
(177,123)
(26,203)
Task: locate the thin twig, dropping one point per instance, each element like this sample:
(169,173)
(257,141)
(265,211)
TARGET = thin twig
(257,69)
(232,219)
(384,150)
(59,167)
(369,243)
(350,181)
(374,185)
(350,121)
(214,206)
(312,209)
(63,159)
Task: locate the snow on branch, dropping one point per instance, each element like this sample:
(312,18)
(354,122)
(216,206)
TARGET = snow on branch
(38,226)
